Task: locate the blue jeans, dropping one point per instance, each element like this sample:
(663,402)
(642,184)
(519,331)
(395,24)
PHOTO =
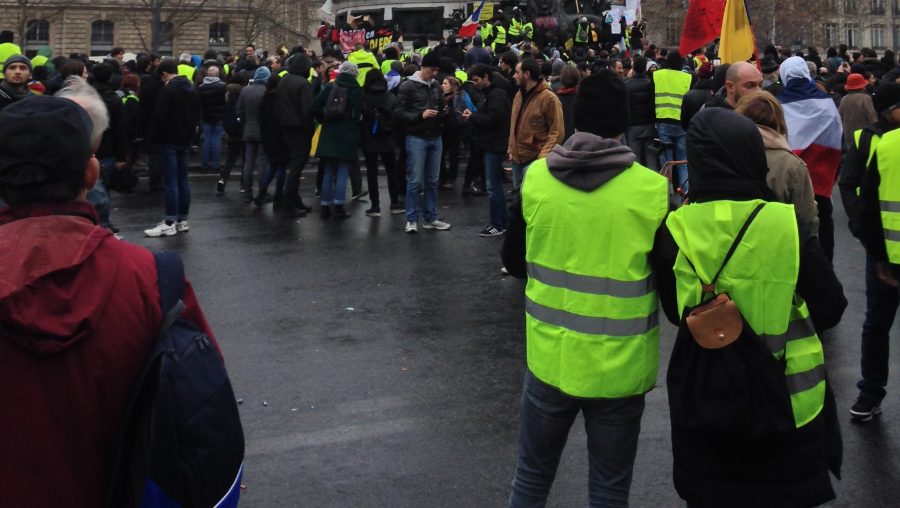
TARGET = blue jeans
(423,167)
(673,139)
(173,162)
(254,156)
(334,180)
(212,145)
(493,170)
(881,308)
(546,415)
(99,195)
(518,170)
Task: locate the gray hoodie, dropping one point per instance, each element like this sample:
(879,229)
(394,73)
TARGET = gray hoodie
(586,161)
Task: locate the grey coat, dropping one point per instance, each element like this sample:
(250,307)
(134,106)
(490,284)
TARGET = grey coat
(248,110)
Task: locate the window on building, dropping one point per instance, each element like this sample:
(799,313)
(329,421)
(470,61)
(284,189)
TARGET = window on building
(219,37)
(37,35)
(417,23)
(831,34)
(877,6)
(834,4)
(896,36)
(166,34)
(878,36)
(852,35)
(101,37)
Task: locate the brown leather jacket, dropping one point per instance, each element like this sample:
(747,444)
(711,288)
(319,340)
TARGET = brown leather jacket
(537,126)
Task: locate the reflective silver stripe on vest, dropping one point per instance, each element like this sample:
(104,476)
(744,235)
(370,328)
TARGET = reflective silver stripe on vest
(802,381)
(671,106)
(892,235)
(591,325)
(589,284)
(890,206)
(797,329)
(673,95)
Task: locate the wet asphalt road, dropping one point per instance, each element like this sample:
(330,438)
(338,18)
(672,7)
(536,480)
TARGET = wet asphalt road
(380,369)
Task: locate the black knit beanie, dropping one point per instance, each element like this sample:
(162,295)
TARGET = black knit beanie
(601,105)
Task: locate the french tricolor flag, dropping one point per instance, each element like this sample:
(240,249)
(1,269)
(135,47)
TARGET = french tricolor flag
(470,26)
(813,124)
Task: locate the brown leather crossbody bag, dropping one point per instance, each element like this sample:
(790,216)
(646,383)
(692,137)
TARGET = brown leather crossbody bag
(717,322)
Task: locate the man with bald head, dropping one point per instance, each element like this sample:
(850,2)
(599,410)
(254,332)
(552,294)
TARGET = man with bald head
(742,78)
(212,107)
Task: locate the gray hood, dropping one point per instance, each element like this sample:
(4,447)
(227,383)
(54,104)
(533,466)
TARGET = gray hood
(587,161)
(415,77)
(208,80)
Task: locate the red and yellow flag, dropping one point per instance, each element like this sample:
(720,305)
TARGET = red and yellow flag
(736,43)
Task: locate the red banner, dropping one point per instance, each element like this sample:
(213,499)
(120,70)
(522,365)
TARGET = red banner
(702,24)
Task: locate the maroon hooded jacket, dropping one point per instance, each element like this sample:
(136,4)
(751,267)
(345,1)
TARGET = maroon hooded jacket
(79,311)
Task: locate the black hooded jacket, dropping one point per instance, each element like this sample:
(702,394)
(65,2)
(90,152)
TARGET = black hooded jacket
(177,113)
(377,103)
(294,96)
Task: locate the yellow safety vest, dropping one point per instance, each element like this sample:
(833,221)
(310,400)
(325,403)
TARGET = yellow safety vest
(528,30)
(130,96)
(186,71)
(38,61)
(365,61)
(500,39)
(515,27)
(887,154)
(873,144)
(486,30)
(761,278)
(386,66)
(669,87)
(591,310)
(282,73)
(582,34)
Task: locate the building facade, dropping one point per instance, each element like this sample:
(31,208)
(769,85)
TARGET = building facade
(414,18)
(184,26)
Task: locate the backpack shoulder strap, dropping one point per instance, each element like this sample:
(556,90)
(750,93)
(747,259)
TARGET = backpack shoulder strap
(170,277)
(708,288)
(737,239)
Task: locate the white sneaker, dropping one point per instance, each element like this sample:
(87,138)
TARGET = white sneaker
(411,227)
(182,226)
(162,229)
(436,224)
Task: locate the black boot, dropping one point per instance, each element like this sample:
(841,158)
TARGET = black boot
(289,211)
(260,199)
(277,201)
(301,206)
(339,212)
(326,212)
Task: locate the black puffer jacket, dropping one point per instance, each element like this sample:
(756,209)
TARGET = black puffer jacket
(212,99)
(694,100)
(273,140)
(641,100)
(114,144)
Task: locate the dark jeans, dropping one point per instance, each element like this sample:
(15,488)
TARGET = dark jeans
(826,226)
(390,167)
(546,415)
(234,152)
(450,140)
(640,138)
(881,308)
(99,193)
(298,142)
(254,157)
(493,169)
(355,176)
(475,167)
(154,173)
(275,171)
(173,161)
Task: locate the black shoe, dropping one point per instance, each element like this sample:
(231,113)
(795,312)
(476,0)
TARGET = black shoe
(358,196)
(325,212)
(292,213)
(472,191)
(865,408)
(397,209)
(491,230)
(260,199)
(374,212)
(340,213)
(220,187)
(277,202)
(301,206)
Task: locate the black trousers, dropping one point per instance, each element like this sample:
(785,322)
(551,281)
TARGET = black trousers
(475,167)
(298,145)
(450,140)
(826,226)
(390,167)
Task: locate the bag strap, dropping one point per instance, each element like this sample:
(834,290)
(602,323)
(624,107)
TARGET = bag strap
(708,288)
(170,277)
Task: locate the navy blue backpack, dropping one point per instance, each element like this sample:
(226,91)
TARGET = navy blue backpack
(182,444)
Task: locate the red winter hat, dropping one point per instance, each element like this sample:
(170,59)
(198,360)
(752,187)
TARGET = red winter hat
(855,81)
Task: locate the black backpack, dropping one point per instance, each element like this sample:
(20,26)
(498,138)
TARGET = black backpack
(181,443)
(337,107)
